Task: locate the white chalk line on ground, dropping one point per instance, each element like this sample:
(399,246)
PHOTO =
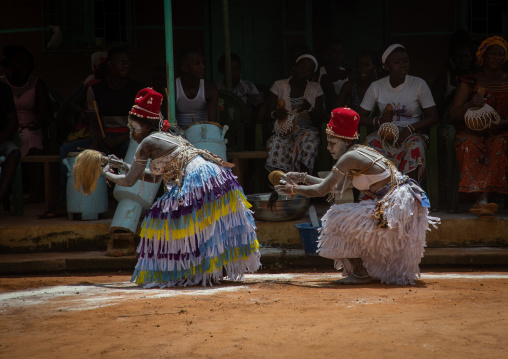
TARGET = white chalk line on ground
(90,296)
(289,276)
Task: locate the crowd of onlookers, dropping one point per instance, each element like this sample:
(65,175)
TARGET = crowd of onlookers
(396,110)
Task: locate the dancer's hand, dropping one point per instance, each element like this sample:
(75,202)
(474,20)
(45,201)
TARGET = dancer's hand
(106,169)
(293,178)
(115,162)
(285,189)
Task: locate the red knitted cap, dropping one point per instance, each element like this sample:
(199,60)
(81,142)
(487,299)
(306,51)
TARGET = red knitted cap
(147,104)
(343,123)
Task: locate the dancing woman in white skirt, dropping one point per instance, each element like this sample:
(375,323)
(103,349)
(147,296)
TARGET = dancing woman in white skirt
(380,239)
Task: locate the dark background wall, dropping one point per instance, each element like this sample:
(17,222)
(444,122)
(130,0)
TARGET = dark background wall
(261,33)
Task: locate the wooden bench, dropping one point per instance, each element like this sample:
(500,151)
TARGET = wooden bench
(50,177)
(237,158)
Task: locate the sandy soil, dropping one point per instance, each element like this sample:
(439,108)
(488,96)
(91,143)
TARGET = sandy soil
(298,315)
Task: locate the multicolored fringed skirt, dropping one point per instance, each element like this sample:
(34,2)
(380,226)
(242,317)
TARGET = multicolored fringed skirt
(198,234)
(390,254)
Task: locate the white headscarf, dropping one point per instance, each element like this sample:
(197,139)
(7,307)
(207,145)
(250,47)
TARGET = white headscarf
(389,50)
(308,56)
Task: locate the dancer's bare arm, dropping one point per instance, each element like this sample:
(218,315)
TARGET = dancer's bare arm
(148,148)
(350,160)
(301,177)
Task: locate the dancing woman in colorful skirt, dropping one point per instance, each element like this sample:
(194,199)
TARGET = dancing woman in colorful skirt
(380,239)
(201,229)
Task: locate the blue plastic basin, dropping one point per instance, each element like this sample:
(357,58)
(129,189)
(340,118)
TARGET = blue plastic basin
(309,236)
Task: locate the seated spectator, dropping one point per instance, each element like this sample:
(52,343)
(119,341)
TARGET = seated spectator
(79,137)
(459,63)
(482,151)
(246,90)
(294,52)
(114,96)
(77,104)
(353,91)
(196,98)
(401,99)
(33,109)
(8,149)
(332,76)
(302,114)
(98,58)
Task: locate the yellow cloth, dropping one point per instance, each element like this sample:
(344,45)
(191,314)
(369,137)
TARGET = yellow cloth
(493,40)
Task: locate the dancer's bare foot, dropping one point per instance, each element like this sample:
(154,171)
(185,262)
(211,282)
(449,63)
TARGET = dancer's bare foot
(353,280)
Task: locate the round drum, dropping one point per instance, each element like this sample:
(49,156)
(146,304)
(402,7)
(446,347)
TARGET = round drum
(89,206)
(208,136)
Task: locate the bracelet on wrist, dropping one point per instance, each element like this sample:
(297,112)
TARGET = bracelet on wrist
(293,190)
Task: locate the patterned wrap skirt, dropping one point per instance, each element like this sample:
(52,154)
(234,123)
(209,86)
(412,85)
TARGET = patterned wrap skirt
(199,233)
(483,161)
(289,153)
(409,157)
(390,254)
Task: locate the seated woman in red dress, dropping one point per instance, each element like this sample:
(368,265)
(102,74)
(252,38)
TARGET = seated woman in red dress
(482,136)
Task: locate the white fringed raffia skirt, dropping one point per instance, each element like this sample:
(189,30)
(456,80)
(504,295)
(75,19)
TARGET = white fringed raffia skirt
(391,254)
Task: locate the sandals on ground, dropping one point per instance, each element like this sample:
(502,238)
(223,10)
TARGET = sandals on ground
(487,209)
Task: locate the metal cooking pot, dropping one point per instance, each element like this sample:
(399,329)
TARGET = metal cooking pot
(285,209)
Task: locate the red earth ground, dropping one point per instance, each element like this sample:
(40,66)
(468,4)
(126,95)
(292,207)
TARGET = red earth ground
(293,315)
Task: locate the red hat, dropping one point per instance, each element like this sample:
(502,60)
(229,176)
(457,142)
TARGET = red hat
(343,124)
(147,104)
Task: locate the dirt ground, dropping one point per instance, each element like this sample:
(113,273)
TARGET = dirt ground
(292,315)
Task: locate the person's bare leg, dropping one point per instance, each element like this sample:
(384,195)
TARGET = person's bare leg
(357,274)
(9,167)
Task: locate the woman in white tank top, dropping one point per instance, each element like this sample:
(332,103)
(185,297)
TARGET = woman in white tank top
(380,239)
